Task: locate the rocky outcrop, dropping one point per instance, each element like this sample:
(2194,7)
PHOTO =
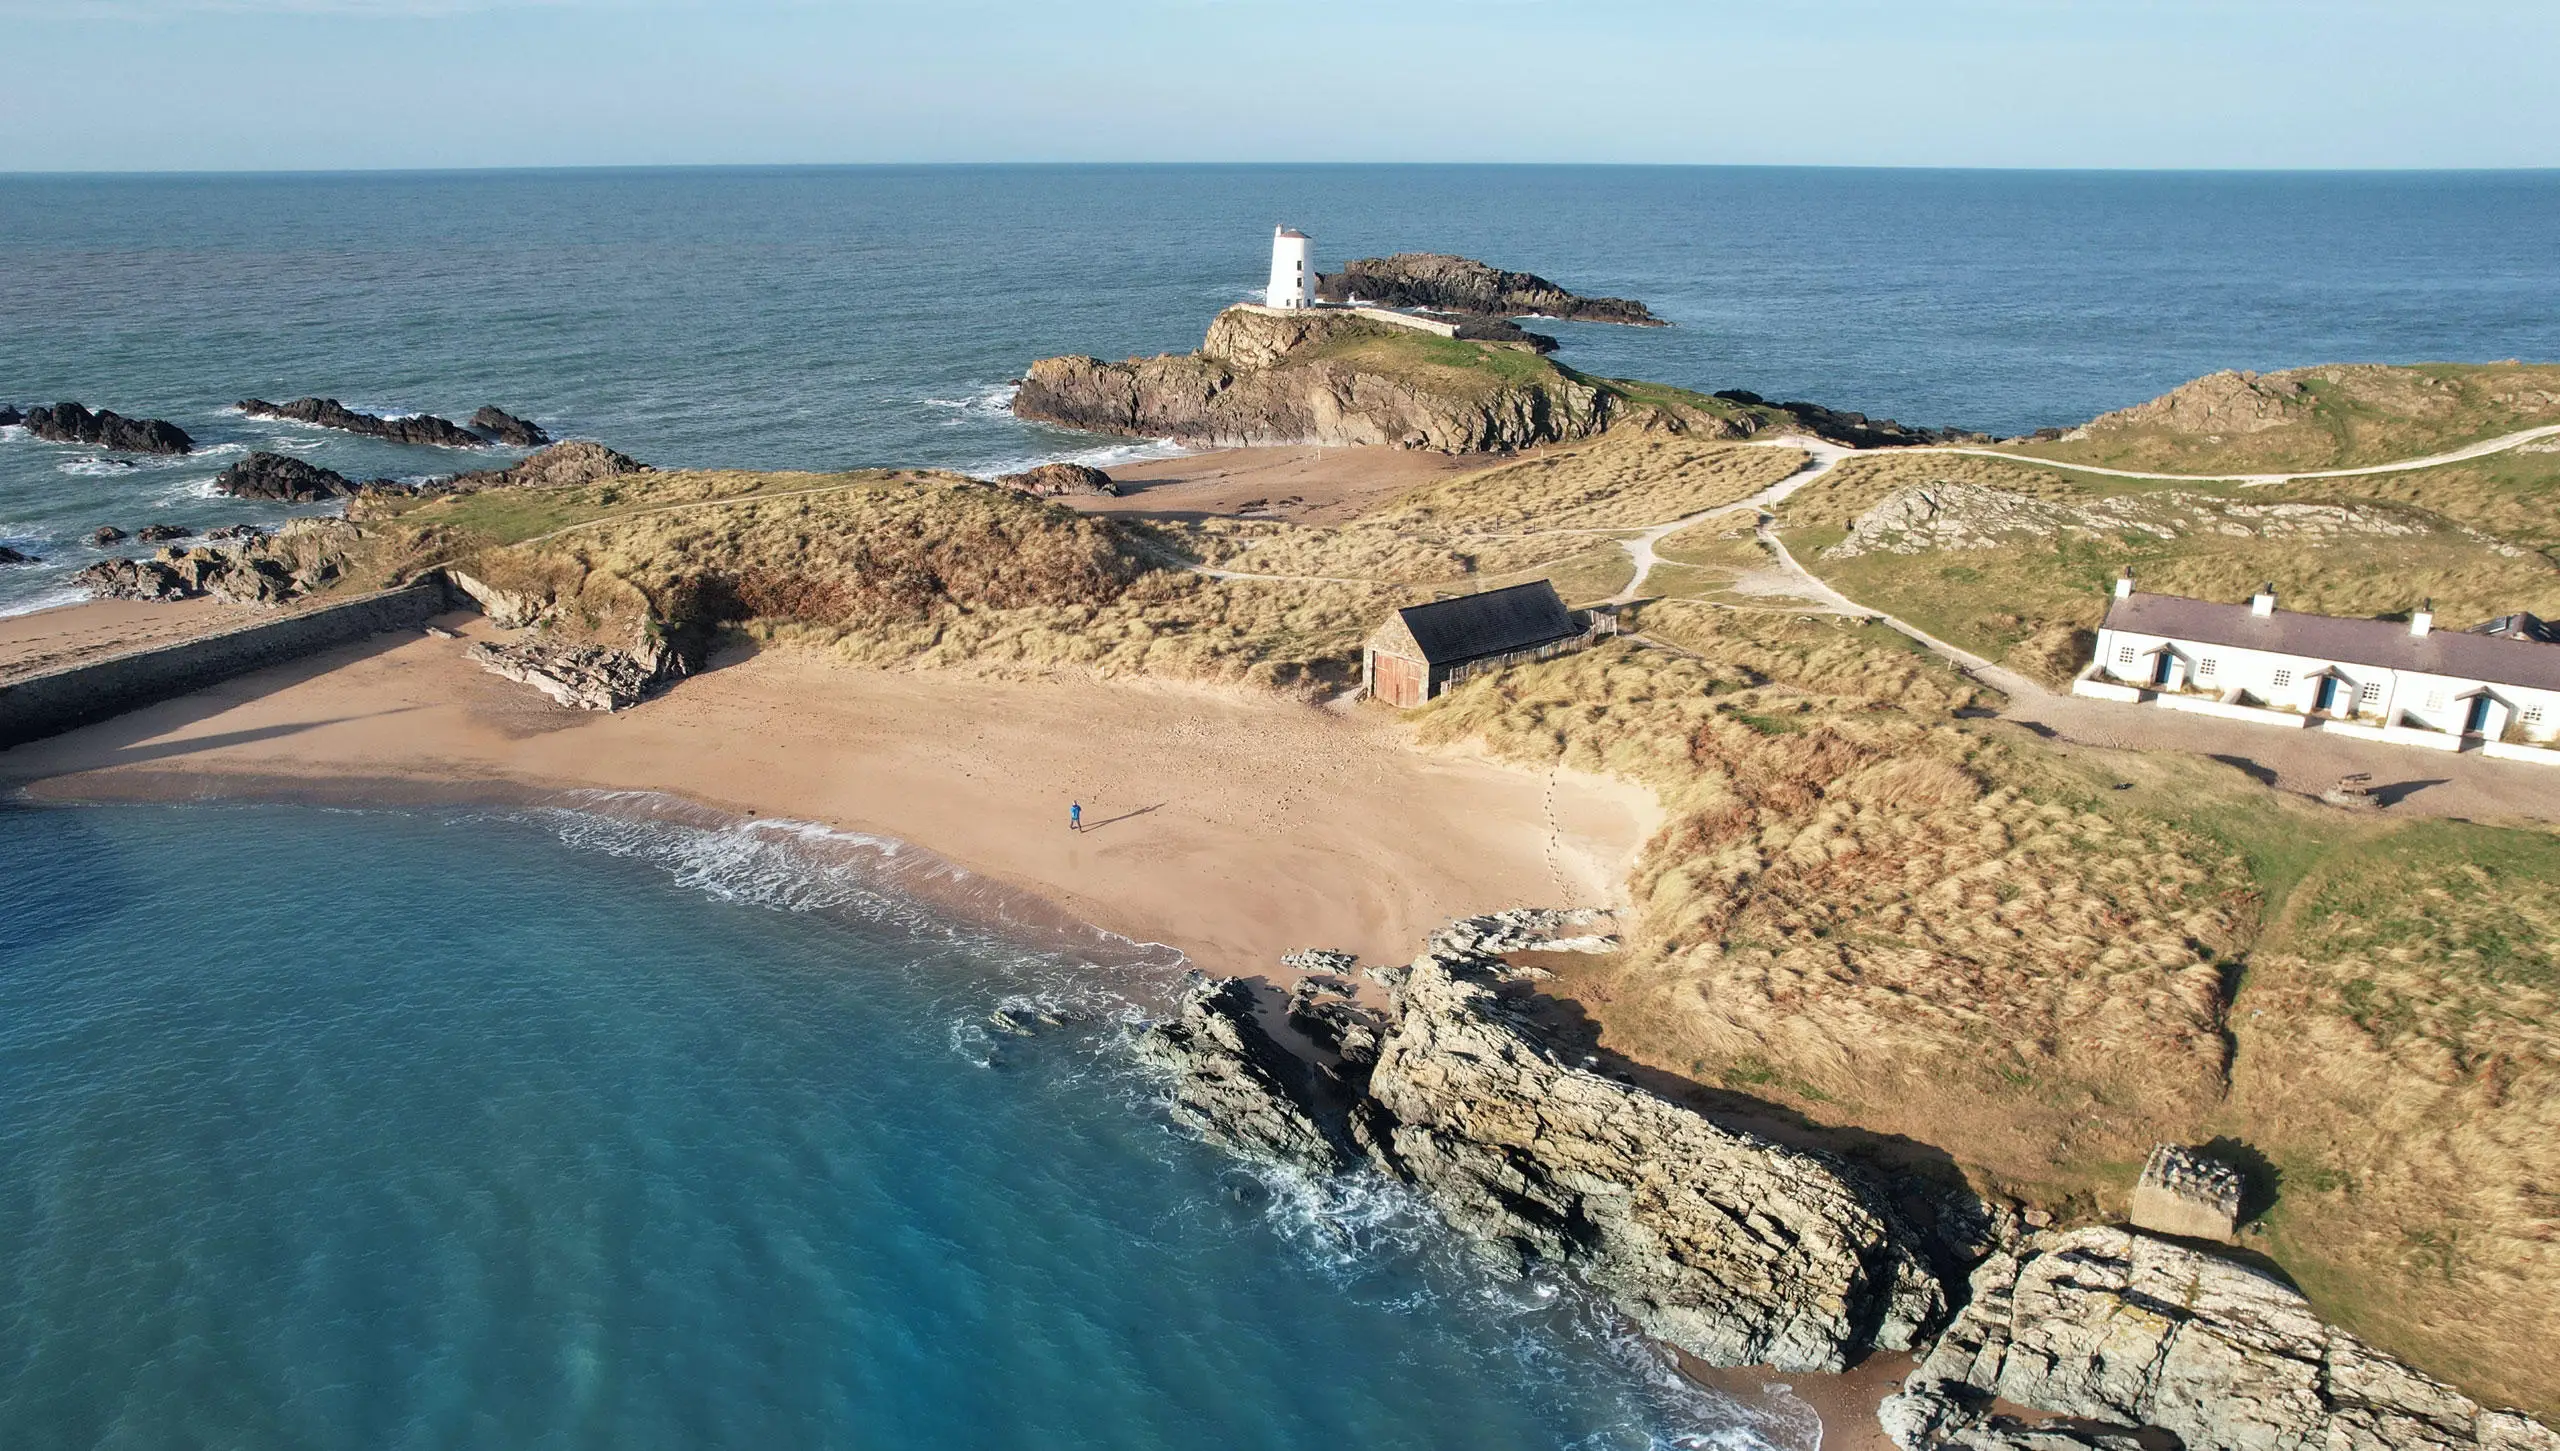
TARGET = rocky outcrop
(286,480)
(496,423)
(106,534)
(305,556)
(583,677)
(1729,1246)
(2218,403)
(12,556)
(2112,1332)
(1318,378)
(1954,516)
(10,417)
(162,533)
(72,423)
(424,428)
(562,465)
(1052,481)
(1856,430)
(1461,284)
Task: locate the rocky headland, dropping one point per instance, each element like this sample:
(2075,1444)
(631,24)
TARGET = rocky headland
(1052,481)
(1443,283)
(284,479)
(496,423)
(104,428)
(1323,378)
(1740,1250)
(287,480)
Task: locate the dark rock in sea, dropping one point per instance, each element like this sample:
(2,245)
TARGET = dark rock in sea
(1461,284)
(562,465)
(72,423)
(1052,480)
(106,534)
(1856,430)
(12,556)
(1503,330)
(10,417)
(162,533)
(290,480)
(497,423)
(423,428)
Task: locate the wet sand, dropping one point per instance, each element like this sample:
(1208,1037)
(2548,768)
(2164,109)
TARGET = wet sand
(1303,484)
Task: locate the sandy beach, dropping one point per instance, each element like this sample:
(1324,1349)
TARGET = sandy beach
(1231,825)
(1306,485)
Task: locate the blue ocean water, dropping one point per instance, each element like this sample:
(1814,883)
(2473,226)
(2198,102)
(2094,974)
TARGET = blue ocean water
(325,1128)
(817,318)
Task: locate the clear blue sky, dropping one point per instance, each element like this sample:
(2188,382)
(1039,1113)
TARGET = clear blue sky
(268,84)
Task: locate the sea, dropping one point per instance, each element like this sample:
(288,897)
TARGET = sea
(606,1121)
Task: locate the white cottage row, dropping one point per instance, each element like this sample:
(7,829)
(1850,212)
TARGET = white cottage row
(2488,686)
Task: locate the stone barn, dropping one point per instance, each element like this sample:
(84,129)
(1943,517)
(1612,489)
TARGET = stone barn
(1422,650)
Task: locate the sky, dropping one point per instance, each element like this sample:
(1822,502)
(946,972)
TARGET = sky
(188,85)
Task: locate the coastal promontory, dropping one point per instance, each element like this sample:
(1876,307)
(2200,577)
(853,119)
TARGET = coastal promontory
(1443,283)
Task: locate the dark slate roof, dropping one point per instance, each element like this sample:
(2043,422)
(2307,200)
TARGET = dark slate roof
(1493,623)
(2493,659)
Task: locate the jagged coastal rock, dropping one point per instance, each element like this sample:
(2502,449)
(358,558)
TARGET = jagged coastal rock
(1444,283)
(72,423)
(561,465)
(261,569)
(162,533)
(12,556)
(287,480)
(583,677)
(2111,1328)
(1261,378)
(106,534)
(423,428)
(497,423)
(1052,481)
(10,417)
(1733,1248)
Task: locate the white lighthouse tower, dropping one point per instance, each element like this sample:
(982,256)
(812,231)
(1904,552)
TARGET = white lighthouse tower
(1293,269)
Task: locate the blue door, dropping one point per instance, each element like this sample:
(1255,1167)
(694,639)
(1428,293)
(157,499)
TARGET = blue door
(2328,695)
(2476,720)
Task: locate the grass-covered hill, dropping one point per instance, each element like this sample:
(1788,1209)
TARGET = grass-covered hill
(2336,416)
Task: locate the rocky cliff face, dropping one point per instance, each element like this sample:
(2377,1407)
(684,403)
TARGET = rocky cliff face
(305,556)
(1462,284)
(1731,1247)
(1261,379)
(2114,1330)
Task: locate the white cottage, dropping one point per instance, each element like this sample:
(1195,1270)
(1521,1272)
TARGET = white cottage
(2495,686)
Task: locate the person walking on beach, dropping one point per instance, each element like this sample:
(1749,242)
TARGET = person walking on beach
(1075,816)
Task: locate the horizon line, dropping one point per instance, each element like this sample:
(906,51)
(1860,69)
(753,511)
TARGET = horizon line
(531,168)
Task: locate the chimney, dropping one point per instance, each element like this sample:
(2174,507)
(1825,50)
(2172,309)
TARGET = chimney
(2124,583)
(2424,620)
(2263,603)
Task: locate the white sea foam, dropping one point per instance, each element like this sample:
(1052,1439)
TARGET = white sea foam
(95,466)
(1104,456)
(49,600)
(994,400)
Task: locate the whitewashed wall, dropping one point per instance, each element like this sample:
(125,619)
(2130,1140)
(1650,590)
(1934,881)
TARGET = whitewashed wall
(2370,693)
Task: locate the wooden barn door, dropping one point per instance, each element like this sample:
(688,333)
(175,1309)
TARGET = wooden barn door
(1397,681)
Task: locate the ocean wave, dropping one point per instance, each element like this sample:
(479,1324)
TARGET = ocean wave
(52,599)
(95,466)
(1103,456)
(994,400)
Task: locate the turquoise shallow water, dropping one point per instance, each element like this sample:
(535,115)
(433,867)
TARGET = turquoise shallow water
(821,318)
(323,1128)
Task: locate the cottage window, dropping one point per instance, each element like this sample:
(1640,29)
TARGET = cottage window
(2283,679)
(2124,655)
(2435,700)
(2533,715)
(2205,669)
(2370,695)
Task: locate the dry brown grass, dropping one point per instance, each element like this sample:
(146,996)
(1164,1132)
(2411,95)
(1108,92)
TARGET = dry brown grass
(1866,912)
(1859,484)
(2399,1057)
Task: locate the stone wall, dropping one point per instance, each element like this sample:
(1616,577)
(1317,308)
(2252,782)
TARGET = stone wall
(84,694)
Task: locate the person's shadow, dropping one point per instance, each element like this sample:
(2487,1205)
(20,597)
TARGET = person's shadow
(1092,826)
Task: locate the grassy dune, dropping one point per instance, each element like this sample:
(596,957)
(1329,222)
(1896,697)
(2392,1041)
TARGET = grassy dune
(2336,416)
